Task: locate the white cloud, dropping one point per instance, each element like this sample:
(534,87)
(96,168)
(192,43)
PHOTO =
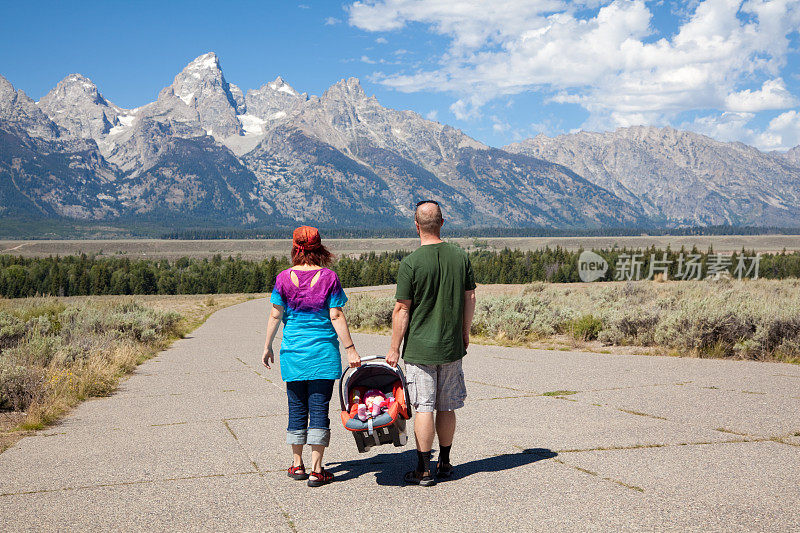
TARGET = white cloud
(469,107)
(724,127)
(609,61)
(366,59)
(499,125)
(432,115)
(772,95)
(782,132)
(381,40)
(330,21)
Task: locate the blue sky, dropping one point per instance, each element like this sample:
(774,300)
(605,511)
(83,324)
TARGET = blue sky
(501,70)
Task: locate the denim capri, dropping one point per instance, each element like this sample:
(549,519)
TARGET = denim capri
(309,401)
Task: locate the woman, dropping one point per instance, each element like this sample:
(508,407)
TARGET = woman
(309,299)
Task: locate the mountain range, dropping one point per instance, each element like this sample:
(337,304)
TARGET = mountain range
(206,153)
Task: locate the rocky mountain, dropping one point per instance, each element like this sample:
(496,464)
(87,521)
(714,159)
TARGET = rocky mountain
(680,177)
(792,155)
(46,171)
(204,153)
(77,106)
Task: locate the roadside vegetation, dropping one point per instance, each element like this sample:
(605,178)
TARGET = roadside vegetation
(92,275)
(57,352)
(750,319)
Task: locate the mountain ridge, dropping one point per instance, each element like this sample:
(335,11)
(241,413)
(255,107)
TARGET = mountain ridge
(205,150)
(680,176)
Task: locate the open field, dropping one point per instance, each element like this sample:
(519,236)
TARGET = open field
(259,249)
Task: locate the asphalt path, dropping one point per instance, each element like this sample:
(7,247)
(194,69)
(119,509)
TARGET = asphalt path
(194,440)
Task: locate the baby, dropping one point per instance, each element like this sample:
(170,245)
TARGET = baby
(375,402)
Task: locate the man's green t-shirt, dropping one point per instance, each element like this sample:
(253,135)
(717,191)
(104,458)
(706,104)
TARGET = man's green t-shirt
(435,278)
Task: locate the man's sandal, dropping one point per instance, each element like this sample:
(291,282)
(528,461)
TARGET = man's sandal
(444,471)
(317,479)
(298,472)
(418,478)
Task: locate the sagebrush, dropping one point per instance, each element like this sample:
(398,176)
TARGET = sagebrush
(53,355)
(751,319)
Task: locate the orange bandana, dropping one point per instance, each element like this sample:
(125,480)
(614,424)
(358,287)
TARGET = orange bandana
(306,238)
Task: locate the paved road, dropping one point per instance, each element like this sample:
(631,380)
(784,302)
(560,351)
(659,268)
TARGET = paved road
(194,440)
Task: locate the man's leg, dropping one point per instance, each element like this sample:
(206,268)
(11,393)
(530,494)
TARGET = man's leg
(445,429)
(421,380)
(423,433)
(450,396)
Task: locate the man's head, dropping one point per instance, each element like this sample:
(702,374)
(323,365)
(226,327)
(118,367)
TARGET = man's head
(428,217)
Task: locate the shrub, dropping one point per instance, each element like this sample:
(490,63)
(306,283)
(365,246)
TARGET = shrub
(753,319)
(585,327)
(11,329)
(369,313)
(20,385)
(55,355)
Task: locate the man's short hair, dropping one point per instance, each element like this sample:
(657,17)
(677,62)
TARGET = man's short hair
(429,217)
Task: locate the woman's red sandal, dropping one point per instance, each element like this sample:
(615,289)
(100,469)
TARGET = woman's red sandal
(298,472)
(320,478)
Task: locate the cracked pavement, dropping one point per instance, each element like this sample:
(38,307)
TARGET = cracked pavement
(548,440)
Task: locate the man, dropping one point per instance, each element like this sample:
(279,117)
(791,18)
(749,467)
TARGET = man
(433,314)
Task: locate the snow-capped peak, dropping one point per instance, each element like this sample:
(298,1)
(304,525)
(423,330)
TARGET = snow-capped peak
(204,62)
(282,86)
(79,80)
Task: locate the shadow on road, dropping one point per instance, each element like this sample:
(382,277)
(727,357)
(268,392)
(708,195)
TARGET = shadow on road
(389,468)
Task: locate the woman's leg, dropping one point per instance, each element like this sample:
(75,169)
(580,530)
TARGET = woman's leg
(296,432)
(319,433)
(297,454)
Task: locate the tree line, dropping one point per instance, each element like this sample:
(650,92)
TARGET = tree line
(409,232)
(92,275)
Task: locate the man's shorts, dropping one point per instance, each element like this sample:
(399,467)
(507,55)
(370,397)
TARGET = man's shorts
(439,387)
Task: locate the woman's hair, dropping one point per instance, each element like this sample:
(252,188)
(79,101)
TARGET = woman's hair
(319,256)
(307,248)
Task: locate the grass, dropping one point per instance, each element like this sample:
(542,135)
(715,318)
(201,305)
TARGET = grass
(560,393)
(57,352)
(748,319)
(264,248)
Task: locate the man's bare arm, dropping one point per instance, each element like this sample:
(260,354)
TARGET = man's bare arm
(400,318)
(469,313)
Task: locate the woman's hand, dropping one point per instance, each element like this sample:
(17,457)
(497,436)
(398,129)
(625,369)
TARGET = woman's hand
(268,357)
(353,357)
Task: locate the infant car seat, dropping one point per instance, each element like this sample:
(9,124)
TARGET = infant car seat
(390,425)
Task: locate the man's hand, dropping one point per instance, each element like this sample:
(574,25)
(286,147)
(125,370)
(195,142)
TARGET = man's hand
(466,338)
(392,357)
(353,358)
(268,357)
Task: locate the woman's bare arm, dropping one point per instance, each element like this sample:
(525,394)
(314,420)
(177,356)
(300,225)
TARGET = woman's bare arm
(274,321)
(340,325)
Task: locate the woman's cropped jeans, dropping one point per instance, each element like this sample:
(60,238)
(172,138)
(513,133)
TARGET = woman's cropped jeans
(308,411)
